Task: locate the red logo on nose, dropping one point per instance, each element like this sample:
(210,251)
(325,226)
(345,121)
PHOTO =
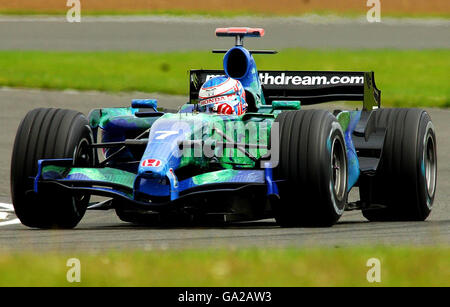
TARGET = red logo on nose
(151,162)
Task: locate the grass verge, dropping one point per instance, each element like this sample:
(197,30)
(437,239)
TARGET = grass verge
(400,266)
(406,78)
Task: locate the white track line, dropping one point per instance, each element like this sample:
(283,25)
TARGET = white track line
(12,222)
(4,214)
(7,206)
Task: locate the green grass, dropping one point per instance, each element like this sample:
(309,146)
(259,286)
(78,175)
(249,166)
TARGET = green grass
(218,13)
(406,77)
(400,266)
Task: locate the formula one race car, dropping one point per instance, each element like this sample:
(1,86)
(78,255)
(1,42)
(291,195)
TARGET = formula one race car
(268,159)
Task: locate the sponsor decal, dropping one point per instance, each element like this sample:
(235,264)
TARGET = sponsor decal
(215,100)
(151,163)
(305,80)
(283,79)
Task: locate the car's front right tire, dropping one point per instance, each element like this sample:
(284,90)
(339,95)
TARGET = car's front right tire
(49,134)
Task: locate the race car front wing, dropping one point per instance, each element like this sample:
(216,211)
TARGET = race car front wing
(138,190)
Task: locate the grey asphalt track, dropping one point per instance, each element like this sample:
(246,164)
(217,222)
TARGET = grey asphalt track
(103,230)
(173,34)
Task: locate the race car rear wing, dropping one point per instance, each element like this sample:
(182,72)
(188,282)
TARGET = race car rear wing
(310,87)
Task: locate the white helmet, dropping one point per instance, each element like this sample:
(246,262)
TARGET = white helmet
(223,95)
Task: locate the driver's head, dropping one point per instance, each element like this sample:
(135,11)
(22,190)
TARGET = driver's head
(222,95)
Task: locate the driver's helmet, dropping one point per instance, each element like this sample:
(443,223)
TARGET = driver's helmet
(223,95)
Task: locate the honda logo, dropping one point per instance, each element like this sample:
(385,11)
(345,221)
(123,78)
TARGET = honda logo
(151,163)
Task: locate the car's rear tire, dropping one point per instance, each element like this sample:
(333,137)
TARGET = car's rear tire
(405,181)
(49,134)
(313,161)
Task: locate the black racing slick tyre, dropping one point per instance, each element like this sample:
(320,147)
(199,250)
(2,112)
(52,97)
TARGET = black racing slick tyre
(313,163)
(49,134)
(405,182)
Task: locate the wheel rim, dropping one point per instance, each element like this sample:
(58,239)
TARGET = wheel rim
(339,169)
(430,165)
(82,156)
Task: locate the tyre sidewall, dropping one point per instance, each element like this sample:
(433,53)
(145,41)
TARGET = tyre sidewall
(426,129)
(338,205)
